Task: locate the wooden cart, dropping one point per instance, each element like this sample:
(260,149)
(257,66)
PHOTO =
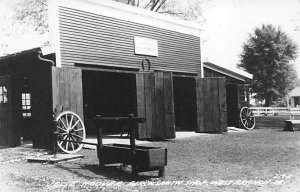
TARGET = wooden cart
(70,136)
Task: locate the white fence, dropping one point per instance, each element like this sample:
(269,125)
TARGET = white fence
(292,111)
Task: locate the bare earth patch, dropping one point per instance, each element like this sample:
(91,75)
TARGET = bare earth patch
(257,160)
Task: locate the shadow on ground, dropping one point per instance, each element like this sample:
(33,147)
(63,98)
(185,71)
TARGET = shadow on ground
(109,172)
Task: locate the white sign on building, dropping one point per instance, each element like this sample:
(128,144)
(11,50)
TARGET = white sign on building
(145,46)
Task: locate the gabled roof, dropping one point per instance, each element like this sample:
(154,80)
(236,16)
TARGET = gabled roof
(295,92)
(232,72)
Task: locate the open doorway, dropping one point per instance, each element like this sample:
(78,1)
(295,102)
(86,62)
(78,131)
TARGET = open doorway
(232,105)
(108,94)
(185,103)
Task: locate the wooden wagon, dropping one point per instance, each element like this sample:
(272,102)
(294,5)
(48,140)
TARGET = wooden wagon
(70,137)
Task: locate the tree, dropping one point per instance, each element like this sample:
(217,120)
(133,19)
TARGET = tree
(152,5)
(191,10)
(268,55)
(33,13)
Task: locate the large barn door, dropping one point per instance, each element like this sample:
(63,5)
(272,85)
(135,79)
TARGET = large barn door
(9,124)
(155,102)
(211,105)
(67,89)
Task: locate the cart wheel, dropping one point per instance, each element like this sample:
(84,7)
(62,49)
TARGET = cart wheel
(70,127)
(247,118)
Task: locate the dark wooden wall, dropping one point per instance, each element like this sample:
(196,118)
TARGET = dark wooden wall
(10,134)
(18,66)
(211,105)
(155,102)
(87,38)
(42,110)
(212,73)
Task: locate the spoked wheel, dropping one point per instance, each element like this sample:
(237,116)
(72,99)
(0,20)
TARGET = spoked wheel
(247,118)
(70,128)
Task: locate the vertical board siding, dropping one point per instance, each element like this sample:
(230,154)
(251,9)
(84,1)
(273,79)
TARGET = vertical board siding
(149,103)
(87,38)
(215,106)
(211,105)
(222,105)
(155,103)
(169,111)
(200,87)
(140,90)
(159,100)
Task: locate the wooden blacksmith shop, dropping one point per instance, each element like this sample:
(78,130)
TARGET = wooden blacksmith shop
(111,60)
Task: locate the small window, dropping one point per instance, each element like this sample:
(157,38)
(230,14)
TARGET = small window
(3,94)
(26,105)
(244,93)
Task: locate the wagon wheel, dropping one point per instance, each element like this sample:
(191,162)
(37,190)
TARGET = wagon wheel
(247,118)
(70,127)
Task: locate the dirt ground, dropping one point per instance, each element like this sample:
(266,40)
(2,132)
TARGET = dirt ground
(257,160)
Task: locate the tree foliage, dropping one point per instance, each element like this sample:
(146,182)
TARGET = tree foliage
(152,5)
(33,13)
(268,55)
(191,10)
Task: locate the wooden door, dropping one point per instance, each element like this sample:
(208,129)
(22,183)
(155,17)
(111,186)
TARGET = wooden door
(155,102)
(211,105)
(9,129)
(67,89)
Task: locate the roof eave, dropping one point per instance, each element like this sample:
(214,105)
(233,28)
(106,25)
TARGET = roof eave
(235,73)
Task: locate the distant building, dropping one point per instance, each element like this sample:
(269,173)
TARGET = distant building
(295,97)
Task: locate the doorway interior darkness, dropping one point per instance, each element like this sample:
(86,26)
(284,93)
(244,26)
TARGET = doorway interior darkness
(232,105)
(185,103)
(108,94)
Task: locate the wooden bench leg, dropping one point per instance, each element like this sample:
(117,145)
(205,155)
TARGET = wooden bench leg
(161,172)
(101,165)
(134,173)
(289,126)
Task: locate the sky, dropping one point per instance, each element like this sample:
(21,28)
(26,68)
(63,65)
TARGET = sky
(228,25)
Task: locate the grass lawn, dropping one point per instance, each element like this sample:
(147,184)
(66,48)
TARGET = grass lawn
(257,160)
